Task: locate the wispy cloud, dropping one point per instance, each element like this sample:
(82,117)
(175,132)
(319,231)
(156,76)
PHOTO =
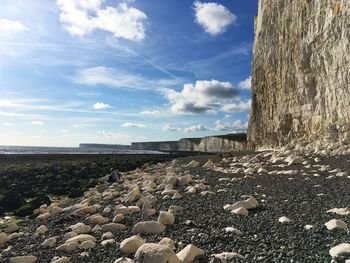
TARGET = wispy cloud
(133,125)
(170,128)
(37,123)
(196,128)
(113,78)
(12,26)
(101,106)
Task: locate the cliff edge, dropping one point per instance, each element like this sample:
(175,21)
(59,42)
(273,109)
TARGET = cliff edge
(301,72)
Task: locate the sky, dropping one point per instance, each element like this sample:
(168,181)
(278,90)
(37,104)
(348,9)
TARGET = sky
(119,71)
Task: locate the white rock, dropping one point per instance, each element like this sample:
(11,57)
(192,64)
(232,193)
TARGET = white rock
(340,211)
(56,210)
(3,238)
(148,227)
(24,259)
(81,238)
(60,260)
(308,227)
(118,218)
(86,210)
(284,220)
(134,209)
(189,253)
(335,224)
(107,235)
(131,245)
(340,250)
(80,228)
(106,211)
(193,164)
(88,244)
(240,211)
(50,242)
(167,242)
(98,219)
(166,218)
(233,230)
(250,203)
(41,230)
(124,260)
(209,163)
(113,227)
(227,256)
(155,253)
(121,210)
(11,227)
(68,247)
(108,242)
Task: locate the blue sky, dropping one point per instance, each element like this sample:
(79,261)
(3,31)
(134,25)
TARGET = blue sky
(117,71)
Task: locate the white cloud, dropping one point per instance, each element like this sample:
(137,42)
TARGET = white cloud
(11,26)
(81,17)
(213,17)
(203,97)
(8,124)
(170,128)
(133,125)
(151,113)
(196,128)
(240,106)
(236,126)
(246,84)
(101,106)
(37,123)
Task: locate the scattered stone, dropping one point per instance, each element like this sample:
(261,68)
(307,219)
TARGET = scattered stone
(233,230)
(56,210)
(189,253)
(340,211)
(131,245)
(240,211)
(68,247)
(107,235)
(81,238)
(209,163)
(152,253)
(98,219)
(80,228)
(108,242)
(308,227)
(24,259)
(148,227)
(60,260)
(124,260)
(342,249)
(193,164)
(88,244)
(228,256)
(175,209)
(41,230)
(85,210)
(11,227)
(122,210)
(167,242)
(50,242)
(118,218)
(113,227)
(335,224)
(284,220)
(166,218)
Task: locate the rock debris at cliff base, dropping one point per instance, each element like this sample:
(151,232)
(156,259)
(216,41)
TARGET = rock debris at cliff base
(284,206)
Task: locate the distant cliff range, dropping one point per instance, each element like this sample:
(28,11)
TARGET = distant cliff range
(104,146)
(217,143)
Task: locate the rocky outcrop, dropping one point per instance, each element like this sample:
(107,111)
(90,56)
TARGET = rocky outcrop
(155,146)
(221,144)
(301,72)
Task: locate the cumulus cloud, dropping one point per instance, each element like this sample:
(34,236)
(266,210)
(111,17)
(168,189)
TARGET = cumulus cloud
(133,125)
(101,106)
(11,26)
(246,84)
(203,97)
(81,17)
(170,128)
(236,126)
(196,128)
(240,106)
(213,17)
(37,123)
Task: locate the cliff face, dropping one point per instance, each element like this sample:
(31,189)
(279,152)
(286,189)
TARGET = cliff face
(301,71)
(216,144)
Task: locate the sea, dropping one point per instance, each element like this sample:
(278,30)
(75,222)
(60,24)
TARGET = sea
(68,150)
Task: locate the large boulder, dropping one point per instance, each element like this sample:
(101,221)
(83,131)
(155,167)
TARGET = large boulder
(152,253)
(148,227)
